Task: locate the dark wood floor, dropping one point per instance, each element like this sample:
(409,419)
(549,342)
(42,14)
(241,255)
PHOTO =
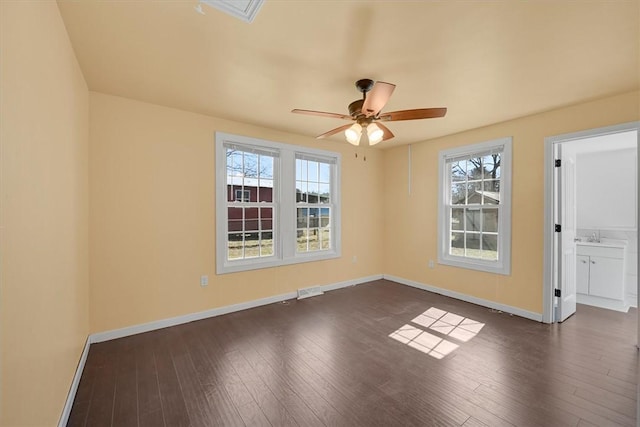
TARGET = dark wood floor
(330,360)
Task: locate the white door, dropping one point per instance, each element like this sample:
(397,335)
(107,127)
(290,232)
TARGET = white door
(565,240)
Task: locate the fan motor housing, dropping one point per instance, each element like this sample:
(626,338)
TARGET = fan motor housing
(355,108)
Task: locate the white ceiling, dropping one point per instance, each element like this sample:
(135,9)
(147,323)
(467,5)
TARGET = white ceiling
(486,61)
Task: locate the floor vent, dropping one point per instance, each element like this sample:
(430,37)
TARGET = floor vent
(309,292)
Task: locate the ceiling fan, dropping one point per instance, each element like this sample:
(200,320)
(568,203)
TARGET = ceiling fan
(366,114)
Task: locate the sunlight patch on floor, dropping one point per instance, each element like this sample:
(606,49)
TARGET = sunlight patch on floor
(443,323)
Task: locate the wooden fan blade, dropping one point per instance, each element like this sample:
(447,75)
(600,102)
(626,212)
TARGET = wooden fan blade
(334,131)
(418,113)
(377,98)
(387,133)
(323,114)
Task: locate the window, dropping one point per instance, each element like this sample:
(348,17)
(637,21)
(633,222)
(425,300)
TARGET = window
(243,195)
(313,204)
(277,204)
(475,207)
(250,204)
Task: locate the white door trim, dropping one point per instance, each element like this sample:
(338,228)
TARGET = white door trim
(547,288)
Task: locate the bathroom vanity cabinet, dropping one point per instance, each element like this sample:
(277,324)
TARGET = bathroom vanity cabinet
(600,274)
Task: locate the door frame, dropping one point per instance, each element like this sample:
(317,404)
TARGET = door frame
(548,299)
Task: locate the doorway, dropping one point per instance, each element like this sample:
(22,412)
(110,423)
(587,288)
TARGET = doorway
(574,227)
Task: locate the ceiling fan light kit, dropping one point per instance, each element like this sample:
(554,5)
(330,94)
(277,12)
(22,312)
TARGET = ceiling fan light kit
(366,111)
(353,134)
(374,133)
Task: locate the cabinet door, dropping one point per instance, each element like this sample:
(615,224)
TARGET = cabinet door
(606,277)
(582,274)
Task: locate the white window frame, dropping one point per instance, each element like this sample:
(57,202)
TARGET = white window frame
(284,200)
(331,205)
(503,264)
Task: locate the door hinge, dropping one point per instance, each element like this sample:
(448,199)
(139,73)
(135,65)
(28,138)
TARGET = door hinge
(558,228)
(558,163)
(557,292)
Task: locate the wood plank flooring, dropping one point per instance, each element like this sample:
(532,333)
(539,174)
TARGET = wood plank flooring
(334,360)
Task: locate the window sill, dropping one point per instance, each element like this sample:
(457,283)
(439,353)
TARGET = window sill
(257,264)
(475,264)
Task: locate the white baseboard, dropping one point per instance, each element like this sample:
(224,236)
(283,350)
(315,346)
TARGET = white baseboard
(468,298)
(353,282)
(632,300)
(66,411)
(186,318)
(191,317)
(607,303)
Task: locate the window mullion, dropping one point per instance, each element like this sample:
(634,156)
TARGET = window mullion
(287,209)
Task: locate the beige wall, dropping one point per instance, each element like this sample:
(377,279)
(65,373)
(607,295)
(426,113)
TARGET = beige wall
(152,216)
(411,220)
(44,214)
(151,212)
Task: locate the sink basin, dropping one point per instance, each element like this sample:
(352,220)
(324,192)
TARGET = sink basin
(604,242)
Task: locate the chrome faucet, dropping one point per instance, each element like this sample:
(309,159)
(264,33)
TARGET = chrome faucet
(595,237)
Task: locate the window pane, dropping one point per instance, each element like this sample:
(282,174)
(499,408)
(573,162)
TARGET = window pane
(457,219)
(324,193)
(251,219)
(472,220)
(325,172)
(301,172)
(325,238)
(312,171)
(266,219)
(234,219)
(301,191)
(313,236)
(265,191)
(490,220)
(325,217)
(266,244)
(266,167)
(472,241)
(251,245)
(303,216)
(474,192)
(458,194)
(235,246)
(491,192)
(313,192)
(301,241)
(457,244)
(474,168)
(491,166)
(234,162)
(314,217)
(489,247)
(459,171)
